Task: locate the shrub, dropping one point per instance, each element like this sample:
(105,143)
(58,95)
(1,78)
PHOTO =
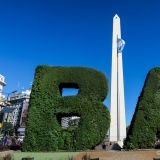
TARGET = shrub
(145,122)
(6,155)
(7,128)
(47,105)
(28,158)
(3,148)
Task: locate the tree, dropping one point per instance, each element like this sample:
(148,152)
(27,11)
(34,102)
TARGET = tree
(7,127)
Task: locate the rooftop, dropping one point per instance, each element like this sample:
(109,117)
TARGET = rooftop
(20,95)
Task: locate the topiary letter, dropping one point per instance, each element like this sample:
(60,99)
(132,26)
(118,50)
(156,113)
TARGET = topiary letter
(146,119)
(47,106)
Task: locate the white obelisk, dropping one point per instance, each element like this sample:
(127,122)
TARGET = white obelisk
(117,107)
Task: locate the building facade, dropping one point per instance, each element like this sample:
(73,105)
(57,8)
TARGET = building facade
(2,84)
(2,97)
(72,121)
(16,109)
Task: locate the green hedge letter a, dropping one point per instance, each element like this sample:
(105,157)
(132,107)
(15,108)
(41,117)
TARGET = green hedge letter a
(57,122)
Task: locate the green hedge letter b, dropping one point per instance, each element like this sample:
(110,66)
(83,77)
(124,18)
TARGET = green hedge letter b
(57,122)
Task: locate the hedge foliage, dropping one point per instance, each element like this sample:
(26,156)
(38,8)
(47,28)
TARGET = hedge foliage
(44,131)
(146,119)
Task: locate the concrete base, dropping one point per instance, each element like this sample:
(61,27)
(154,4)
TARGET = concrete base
(109,146)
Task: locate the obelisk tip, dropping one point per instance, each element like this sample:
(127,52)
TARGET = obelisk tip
(116,16)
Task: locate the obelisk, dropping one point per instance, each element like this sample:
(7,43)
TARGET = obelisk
(117,107)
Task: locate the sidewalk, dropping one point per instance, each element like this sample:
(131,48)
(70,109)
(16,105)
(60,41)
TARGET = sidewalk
(122,155)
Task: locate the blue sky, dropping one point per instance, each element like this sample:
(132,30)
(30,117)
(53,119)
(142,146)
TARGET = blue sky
(78,33)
